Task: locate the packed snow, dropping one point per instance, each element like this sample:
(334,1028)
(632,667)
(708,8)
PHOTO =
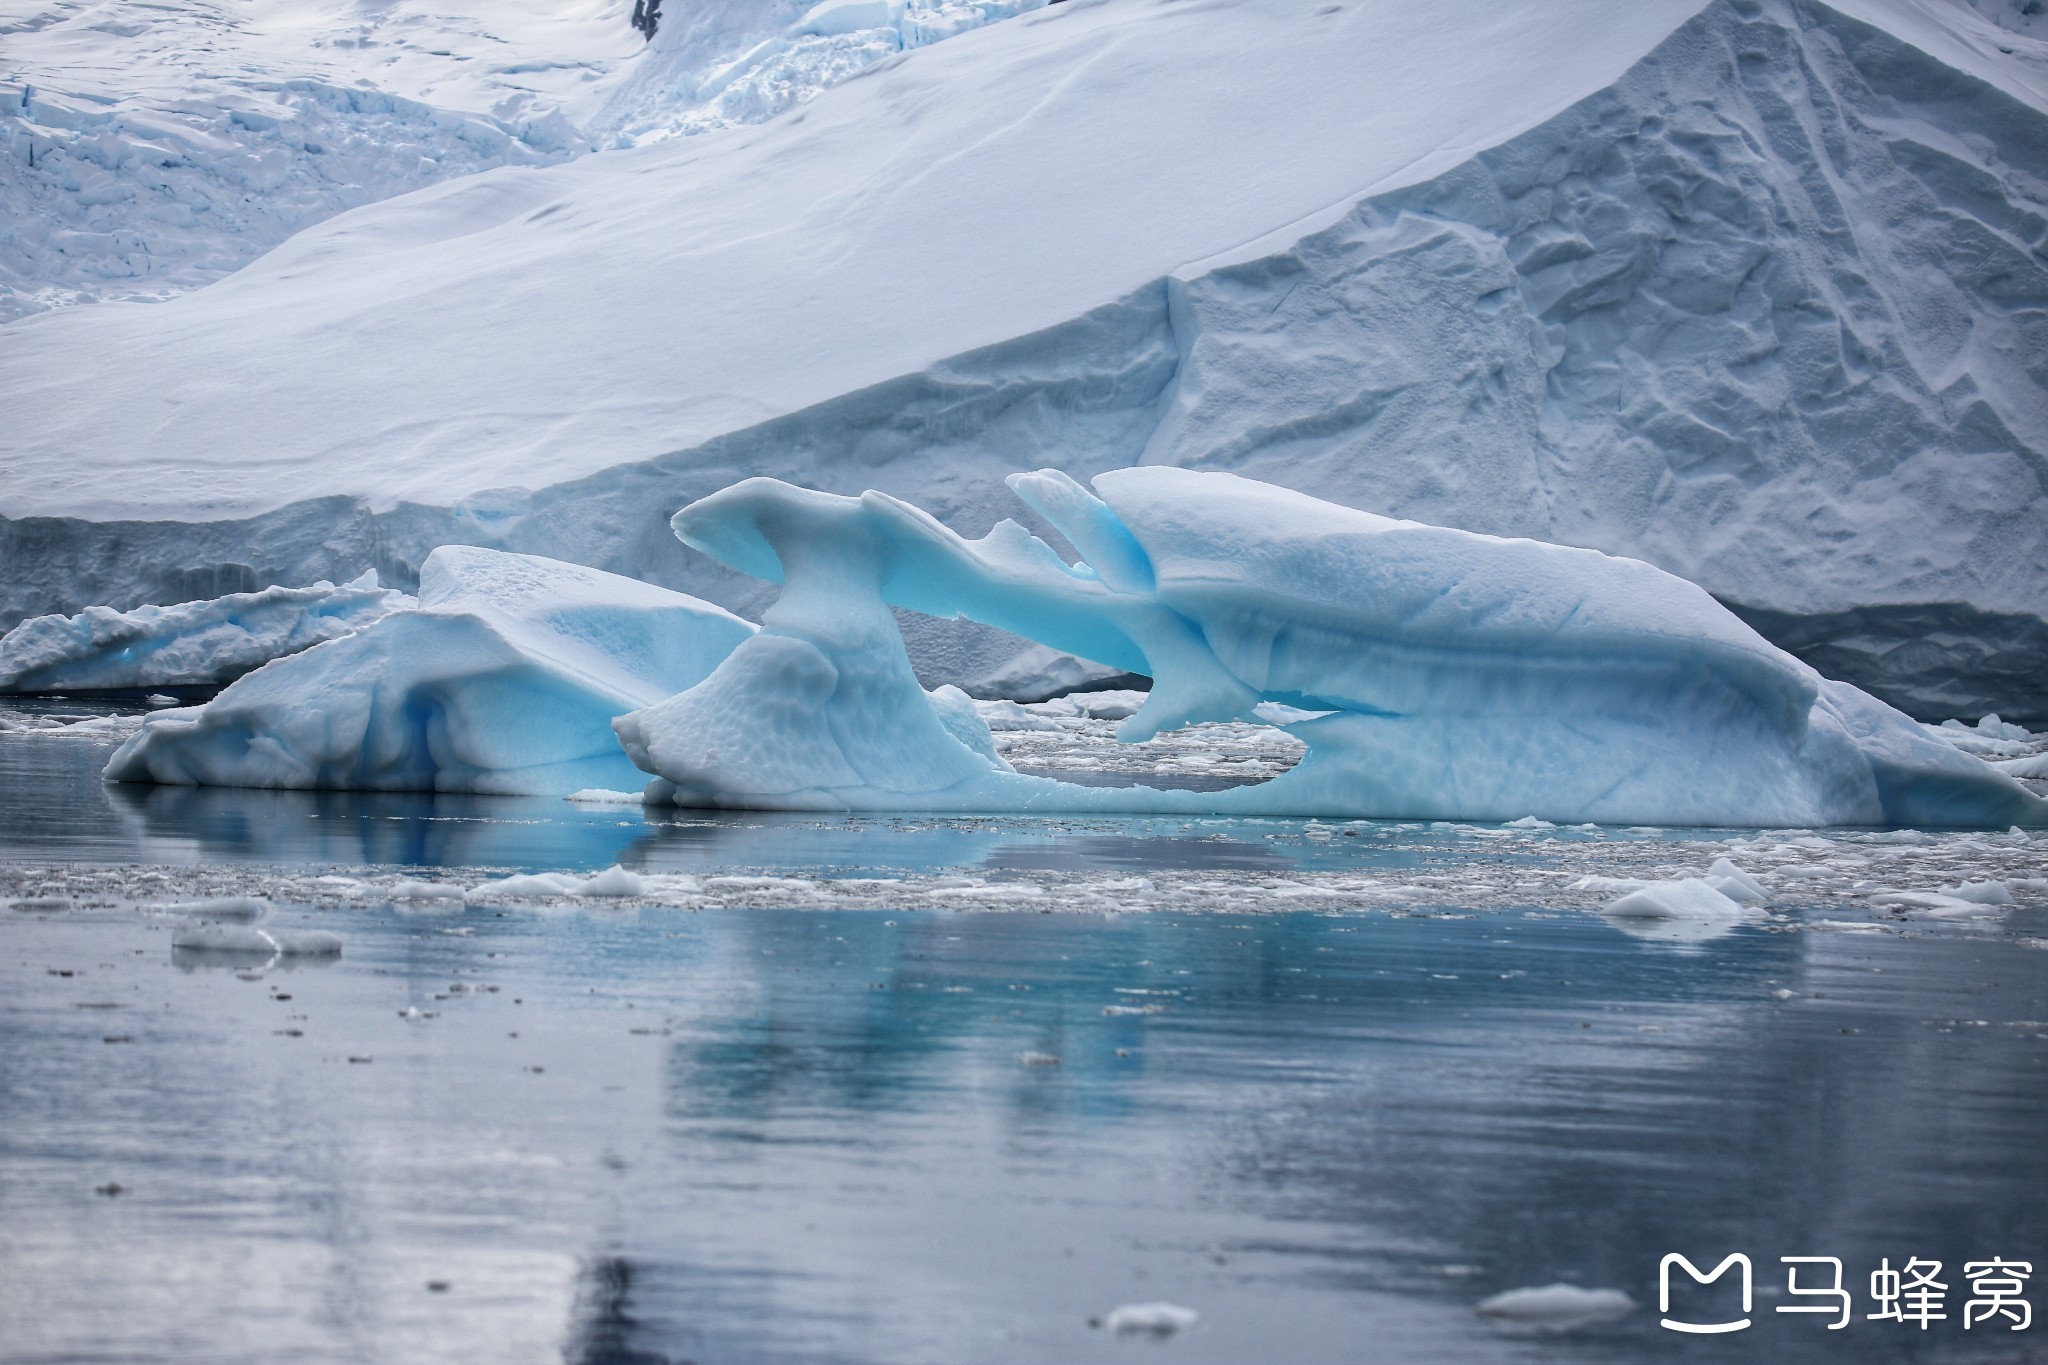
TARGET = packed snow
(213,641)
(1430,672)
(504,680)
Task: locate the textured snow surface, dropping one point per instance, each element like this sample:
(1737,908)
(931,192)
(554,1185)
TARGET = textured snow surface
(1430,672)
(504,681)
(212,641)
(1756,300)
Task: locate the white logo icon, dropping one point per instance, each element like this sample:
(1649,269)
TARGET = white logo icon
(1705,1328)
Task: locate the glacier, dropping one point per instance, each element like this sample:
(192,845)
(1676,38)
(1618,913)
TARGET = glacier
(212,641)
(1453,675)
(504,680)
(1746,289)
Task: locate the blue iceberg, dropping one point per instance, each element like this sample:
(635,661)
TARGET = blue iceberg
(1455,675)
(504,680)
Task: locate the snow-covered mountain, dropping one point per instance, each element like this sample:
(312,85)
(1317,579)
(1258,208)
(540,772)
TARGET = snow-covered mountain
(1752,289)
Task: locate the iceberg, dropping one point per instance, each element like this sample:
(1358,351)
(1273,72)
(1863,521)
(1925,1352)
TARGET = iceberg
(190,643)
(504,680)
(1458,676)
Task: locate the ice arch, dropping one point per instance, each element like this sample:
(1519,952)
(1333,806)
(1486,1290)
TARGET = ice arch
(1466,676)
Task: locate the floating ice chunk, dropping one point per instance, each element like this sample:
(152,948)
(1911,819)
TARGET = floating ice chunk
(601,796)
(247,938)
(238,909)
(1008,715)
(529,886)
(1683,898)
(1731,881)
(193,642)
(1980,893)
(1464,676)
(424,891)
(1149,1319)
(1557,1307)
(2035,767)
(504,680)
(1529,822)
(613,881)
(1037,673)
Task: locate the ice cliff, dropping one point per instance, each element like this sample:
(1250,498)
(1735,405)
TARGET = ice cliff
(1749,290)
(1459,675)
(505,680)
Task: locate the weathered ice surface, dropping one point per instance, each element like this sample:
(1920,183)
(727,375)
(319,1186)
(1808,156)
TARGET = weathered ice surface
(213,641)
(1432,673)
(503,681)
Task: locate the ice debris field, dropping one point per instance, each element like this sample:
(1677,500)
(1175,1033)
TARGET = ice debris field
(1428,673)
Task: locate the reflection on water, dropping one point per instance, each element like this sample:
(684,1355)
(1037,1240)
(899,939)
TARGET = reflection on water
(808,1135)
(54,807)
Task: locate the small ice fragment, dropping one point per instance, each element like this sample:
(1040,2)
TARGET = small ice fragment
(529,886)
(159,699)
(1037,1059)
(247,938)
(1685,898)
(1980,893)
(1528,822)
(604,796)
(1557,1307)
(232,909)
(1731,881)
(614,881)
(1154,1319)
(425,891)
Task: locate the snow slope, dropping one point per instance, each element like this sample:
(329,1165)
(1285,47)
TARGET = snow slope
(146,149)
(1757,299)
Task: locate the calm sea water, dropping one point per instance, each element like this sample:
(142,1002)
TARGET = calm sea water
(609,1136)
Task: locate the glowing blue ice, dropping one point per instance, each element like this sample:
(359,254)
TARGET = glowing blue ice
(1464,676)
(505,680)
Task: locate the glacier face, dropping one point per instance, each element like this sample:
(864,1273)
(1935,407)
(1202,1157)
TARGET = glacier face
(1758,302)
(1457,676)
(505,680)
